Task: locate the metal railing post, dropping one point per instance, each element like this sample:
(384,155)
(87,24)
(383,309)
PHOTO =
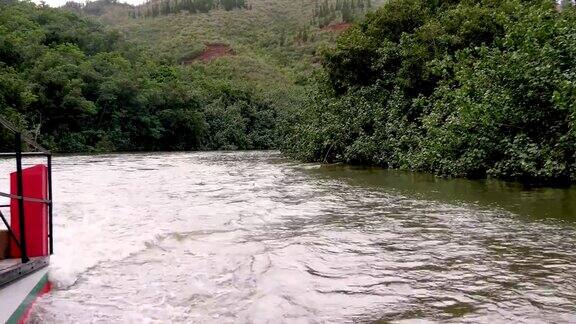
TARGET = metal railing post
(20,189)
(50,206)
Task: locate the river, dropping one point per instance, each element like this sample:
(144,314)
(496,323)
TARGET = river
(252,237)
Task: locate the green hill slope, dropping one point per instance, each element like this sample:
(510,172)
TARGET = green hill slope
(103,77)
(268,36)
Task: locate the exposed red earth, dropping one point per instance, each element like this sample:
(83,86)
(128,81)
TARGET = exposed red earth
(337,28)
(211,52)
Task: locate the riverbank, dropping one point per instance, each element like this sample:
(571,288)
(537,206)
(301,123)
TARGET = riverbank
(476,90)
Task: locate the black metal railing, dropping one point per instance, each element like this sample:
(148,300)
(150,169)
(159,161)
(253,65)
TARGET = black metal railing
(21,136)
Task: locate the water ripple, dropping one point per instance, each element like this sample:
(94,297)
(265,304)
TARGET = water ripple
(249,237)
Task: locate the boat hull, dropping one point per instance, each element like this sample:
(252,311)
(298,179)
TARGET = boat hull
(18,297)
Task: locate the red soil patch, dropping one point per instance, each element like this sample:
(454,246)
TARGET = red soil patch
(211,52)
(337,28)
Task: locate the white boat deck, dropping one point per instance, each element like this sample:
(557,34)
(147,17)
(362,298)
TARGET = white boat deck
(17,281)
(14,294)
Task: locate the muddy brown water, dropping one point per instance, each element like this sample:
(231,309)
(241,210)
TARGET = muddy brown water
(252,237)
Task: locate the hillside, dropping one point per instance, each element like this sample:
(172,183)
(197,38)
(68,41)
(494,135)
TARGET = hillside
(457,88)
(103,76)
(268,37)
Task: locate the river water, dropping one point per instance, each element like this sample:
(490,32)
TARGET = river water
(252,237)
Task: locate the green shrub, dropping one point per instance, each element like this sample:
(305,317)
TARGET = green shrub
(468,88)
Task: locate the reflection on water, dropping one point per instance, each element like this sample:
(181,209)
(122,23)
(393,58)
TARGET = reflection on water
(254,238)
(537,203)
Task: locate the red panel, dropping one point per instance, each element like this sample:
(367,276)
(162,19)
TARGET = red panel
(35,182)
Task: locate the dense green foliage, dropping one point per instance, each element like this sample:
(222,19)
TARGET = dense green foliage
(154,8)
(482,88)
(79,87)
(97,8)
(458,88)
(326,11)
